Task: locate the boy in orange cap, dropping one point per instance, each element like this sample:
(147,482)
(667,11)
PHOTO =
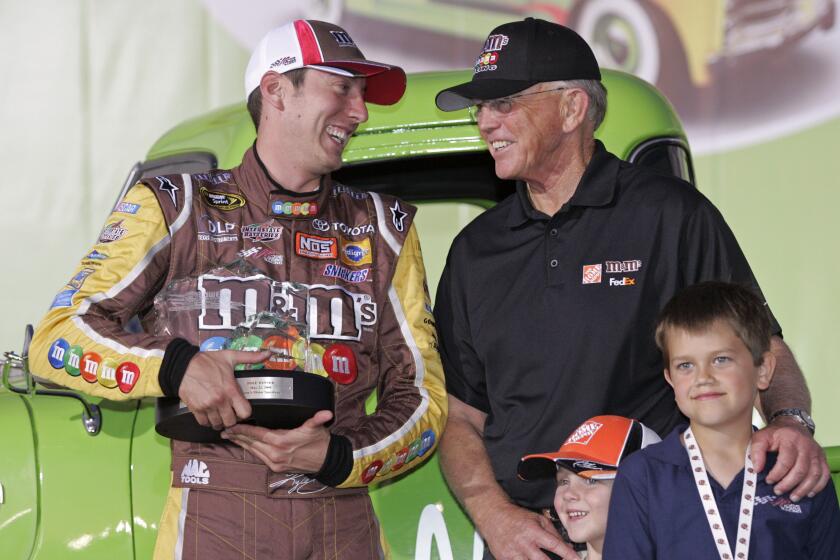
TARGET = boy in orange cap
(584,467)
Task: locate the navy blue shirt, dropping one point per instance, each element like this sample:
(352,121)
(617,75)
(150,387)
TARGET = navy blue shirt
(655,512)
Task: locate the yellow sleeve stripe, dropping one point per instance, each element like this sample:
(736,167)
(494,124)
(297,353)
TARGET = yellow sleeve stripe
(412,307)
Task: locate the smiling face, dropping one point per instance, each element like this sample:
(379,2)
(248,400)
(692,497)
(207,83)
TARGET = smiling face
(582,505)
(714,376)
(318,119)
(525,142)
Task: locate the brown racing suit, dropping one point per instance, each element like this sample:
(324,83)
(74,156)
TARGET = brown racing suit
(359,254)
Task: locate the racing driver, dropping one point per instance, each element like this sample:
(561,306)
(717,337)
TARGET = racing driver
(298,493)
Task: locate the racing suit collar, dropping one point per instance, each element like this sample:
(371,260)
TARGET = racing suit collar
(276,199)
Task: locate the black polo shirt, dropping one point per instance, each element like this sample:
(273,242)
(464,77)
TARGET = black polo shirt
(545,321)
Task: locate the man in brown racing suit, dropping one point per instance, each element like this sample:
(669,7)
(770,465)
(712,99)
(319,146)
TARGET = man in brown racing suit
(297,493)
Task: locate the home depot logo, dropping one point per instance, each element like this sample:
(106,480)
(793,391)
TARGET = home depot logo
(195,472)
(584,433)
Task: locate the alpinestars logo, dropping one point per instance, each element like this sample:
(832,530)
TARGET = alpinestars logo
(584,433)
(195,472)
(167,186)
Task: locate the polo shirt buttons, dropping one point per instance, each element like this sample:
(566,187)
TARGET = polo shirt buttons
(553,263)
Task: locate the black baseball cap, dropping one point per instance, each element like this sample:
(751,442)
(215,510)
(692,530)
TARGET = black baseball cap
(518,55)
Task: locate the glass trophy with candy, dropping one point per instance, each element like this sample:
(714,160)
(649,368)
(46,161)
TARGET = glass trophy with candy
(237,307)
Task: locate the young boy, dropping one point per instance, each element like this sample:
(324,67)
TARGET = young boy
(696,495)
(584,467)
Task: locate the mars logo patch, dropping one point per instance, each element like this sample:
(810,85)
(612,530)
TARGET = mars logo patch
(584,433)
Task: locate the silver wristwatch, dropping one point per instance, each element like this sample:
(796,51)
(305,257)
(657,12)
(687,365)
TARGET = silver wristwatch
(800,415)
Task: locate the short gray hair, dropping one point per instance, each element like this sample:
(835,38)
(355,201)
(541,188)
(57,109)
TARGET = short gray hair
(597,94)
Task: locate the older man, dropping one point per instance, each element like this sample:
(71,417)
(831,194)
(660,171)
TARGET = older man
(547,303)
(288,494)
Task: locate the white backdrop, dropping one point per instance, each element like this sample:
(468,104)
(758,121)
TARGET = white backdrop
(86,86)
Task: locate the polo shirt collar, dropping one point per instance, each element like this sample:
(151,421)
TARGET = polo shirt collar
(596,188)
(672,451)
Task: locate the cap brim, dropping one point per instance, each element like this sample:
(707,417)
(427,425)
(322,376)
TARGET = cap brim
(385,83)
(464,95)
(536,467)
(544,465)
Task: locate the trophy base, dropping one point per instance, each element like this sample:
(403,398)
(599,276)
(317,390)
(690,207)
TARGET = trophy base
(279,400)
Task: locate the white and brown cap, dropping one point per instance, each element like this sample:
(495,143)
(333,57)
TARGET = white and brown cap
(594,450)
(326,47)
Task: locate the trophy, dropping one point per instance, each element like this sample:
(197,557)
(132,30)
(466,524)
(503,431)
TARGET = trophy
(218,311)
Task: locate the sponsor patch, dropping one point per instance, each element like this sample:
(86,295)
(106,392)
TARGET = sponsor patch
(592,273)
(324,226)
(195,472)
(315,246)
(261,232)
(221,200)
(495,42)
(616,267)
(334,312)
(584,433)
(427,439)
(356,253)
(107,373)
(96,256)
(64,298)
(215,178)
(370,471)
(281,208)
(264,253)
(624,281)
(57,353)
(217,231)
(486,62)
(342,38)
(127,376)
(349,191)
(346,274)
(112,232)
(170,188)
(127,208)
(340,363)
(285,61)
(587,465)
(73,360)
(398,216)
(402,456)
(90,366)
(780,502)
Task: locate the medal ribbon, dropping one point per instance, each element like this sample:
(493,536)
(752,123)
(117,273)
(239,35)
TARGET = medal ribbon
(707,498)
